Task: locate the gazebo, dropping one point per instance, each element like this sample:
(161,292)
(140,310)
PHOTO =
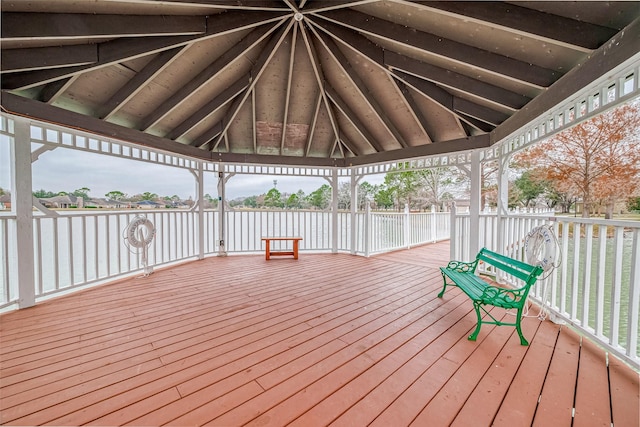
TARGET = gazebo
(336,89)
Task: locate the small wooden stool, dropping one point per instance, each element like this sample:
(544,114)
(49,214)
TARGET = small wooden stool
(268,252)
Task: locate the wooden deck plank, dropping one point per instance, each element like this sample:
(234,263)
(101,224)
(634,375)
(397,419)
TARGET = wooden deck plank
(449,400)
(558,392)
(519,405)
(592,405)
(326,339)
(625,394)
(488,395)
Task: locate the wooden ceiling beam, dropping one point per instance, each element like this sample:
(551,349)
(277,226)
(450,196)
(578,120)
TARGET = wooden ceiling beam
(432,44)
(348,113)
(37,58)
(125,49)
(456,81)
(138,82)
(227,59)
(361,87)
(578,35)
(65,26)
(226,96)
(268,50)
(621,49)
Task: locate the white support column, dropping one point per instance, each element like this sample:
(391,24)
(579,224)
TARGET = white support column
(354,209)
(434,228)
(200,196)
(407,226)
(334,211)
(367,231)
(453,234)
(503,200)
(222,251)
(21,190)
(474,202)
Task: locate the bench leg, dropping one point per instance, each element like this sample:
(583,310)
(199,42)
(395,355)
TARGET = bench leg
(475,333)
(523,340)
(444,287)
(295,249)
(267,253)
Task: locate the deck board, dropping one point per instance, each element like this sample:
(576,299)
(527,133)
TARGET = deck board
(322,340)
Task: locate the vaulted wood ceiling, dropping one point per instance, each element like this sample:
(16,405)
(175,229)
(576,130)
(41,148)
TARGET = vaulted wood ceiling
(305,82)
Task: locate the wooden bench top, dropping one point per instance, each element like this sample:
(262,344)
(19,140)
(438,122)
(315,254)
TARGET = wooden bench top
(282,238)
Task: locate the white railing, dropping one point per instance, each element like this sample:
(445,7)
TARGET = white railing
(74,249)
(596,287)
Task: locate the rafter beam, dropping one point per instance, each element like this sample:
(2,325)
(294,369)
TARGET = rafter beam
(451,102)
(456,81)
(139,81)
(341,60)
(351,116)
(619,50)
(287,100)
(267,5)
(226,96)
(460,53)
(125,49)
(221,63)
(18,105)
(65,26)
(462,144)
(317,72)
(376,54)
(50,92)
(556,29)
(261,64)
(36,58)
(414,109)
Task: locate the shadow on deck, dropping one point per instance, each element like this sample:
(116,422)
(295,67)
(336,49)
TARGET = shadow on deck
(327,339)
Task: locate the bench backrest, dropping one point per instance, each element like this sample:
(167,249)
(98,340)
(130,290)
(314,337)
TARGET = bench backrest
(526,272)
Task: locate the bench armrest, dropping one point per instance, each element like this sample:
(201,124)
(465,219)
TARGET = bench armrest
(462,267)
(505,298)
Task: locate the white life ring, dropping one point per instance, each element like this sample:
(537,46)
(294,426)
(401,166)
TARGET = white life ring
(140,232)
(541,247)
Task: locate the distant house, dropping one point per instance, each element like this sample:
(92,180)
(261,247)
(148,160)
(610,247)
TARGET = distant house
(148,204)
(108,204)
(5,202)
(65,201)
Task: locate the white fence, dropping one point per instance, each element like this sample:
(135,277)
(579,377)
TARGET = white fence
(78,248)
(596,287)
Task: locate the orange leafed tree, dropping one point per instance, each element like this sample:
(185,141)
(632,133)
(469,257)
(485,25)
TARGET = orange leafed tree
(599,159)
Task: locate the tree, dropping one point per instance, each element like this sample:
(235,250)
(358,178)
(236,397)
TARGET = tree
(599,159)
(366,193)
(294,201)
(115,195)
(82,192)
(149,196)
(44,194)
(438,183)
(529,188)
(384,198)
(321,197)
(403,185)
(273,199)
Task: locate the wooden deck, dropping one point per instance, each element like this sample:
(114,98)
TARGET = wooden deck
(325,339)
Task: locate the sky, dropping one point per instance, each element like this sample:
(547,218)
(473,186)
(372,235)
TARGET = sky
(67,170)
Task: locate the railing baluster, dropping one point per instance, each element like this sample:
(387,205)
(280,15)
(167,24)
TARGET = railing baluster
(616,282)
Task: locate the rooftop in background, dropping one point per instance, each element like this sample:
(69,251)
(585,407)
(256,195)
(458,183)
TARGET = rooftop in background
(306,82)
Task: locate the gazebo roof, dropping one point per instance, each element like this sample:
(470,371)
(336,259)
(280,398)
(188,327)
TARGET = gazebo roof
(306,82)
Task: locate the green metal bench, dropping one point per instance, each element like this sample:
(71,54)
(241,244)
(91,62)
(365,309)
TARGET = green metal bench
(462,275)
